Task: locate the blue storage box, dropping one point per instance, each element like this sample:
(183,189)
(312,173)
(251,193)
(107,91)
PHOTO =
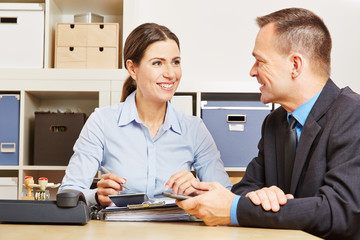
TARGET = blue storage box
(9,129)
(236,128)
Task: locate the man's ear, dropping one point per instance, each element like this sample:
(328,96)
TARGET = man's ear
(130,66)
(298,64)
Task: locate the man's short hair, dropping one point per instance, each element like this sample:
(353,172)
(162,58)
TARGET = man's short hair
(301,30)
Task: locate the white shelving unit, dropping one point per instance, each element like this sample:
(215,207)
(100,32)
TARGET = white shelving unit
(84,89)
(52,89)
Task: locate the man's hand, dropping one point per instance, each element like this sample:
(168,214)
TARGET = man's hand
(180,183)
(270,198)
(213,206)
(110,184)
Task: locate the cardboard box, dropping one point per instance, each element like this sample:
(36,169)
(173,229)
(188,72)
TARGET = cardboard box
(8,187)
(86,57)
(9,129)
(55,136)
(22,35)
(236,128)
(87,45)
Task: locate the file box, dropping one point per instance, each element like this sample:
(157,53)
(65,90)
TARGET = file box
(55,136)
(9,129)
(22,35)
(235,126)
(8,187)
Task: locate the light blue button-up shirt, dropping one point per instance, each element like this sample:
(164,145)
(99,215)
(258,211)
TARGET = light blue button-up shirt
(116,138)
(300,114)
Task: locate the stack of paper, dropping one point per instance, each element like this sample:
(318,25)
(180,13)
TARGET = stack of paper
(164,213)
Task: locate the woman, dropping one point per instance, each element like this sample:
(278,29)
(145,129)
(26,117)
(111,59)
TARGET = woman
(143,140)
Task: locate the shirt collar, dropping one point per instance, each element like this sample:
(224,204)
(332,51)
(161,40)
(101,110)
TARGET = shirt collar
(302,112)
(129,113)
(172,119)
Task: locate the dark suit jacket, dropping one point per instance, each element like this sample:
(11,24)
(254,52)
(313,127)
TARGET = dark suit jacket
(326,176)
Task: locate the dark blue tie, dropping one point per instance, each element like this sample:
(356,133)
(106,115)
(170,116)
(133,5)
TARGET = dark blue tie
(290,151)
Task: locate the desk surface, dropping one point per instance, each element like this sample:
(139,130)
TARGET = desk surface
(143,231)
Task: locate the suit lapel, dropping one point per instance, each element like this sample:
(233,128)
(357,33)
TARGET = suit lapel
(311,129)
(308,135)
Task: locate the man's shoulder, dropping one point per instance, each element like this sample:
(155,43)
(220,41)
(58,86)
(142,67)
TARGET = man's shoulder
(347,101)
(342,111)
(347,95)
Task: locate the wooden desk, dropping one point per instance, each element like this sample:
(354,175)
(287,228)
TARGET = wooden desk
(97,230)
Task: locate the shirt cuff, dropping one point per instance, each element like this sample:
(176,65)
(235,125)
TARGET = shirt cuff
(233,212)
(90,197)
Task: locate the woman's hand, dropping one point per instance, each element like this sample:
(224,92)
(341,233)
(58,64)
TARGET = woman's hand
(180,183)
(109,184)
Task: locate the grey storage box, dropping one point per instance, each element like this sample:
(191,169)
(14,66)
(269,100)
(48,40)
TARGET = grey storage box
(88,18)
(235,123)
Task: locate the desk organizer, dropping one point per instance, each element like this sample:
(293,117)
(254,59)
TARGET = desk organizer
(87,45)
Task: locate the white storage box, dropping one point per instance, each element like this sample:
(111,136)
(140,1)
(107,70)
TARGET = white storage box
(22,35)
(8,187)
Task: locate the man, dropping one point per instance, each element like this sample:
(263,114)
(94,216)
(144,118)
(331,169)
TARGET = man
(321,196)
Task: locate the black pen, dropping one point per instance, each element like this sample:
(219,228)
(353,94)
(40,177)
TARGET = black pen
(105,170)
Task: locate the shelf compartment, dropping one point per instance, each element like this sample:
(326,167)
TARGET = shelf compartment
(54,176)
(63,11)
(76,101)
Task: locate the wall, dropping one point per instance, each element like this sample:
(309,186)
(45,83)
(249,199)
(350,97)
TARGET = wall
(217,37)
